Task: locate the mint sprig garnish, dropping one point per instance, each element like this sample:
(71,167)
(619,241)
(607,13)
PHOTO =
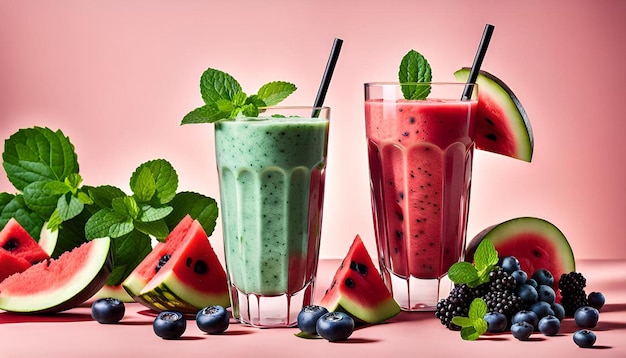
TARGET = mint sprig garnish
(474,324)
(414,68)
(43,167)
(224,98)
(485,260)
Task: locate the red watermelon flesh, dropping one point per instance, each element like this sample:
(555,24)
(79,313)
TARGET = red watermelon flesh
(10,264)
(502,125)
(358,289)
(147,269)
(536,243)
(56,285)
(18,242)
(191,279)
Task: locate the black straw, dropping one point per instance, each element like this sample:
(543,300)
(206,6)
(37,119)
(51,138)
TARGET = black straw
(328,74)
(478,61)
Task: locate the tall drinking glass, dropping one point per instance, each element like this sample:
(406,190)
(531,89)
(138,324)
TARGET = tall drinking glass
(420,159)
(271,172)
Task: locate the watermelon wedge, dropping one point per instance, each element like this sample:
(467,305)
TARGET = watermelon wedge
(358,289)
(502,125)
(17,241)
(182,274)
(56,285)
(535,242)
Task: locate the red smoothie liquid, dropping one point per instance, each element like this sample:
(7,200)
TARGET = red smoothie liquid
(420,158)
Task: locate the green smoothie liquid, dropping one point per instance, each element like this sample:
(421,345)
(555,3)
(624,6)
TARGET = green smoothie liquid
(271,174)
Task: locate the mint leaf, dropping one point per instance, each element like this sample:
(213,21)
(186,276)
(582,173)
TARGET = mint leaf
(200,207)
(414,68)
(156,228)
(462,273)
(149,213)
(206,114)
(103,195)
(478,309)
(255,100)
(144,185)
(42,196)
(485,255)
(275,92)
(125,207)
(38,154)
(106,222)
(474,325)
(69,206)
(165,179)
(216,85)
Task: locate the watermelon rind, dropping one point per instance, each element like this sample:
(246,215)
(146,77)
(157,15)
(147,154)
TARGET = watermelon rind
(173,294)
(71,293)
(497,92)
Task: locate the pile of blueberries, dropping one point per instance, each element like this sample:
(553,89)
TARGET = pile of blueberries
(543,313)
(168,324)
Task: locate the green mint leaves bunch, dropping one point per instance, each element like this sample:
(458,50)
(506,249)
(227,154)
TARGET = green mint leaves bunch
(485,261)
(415,75)
(475,324)
(224,98)
(42,165)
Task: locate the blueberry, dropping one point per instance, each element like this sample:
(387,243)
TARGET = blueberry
(532,282)
(543,277)
(559,310)
(213,319)
(522,330)
(308,316)
(549,325)
(542,309)
(527,293)
(586,317)
(546,293)
(509,264)
(596,300)
(107,310)
(169,325)
(335,326)
(496,322)
(584,338)
(520,277)
(525,316)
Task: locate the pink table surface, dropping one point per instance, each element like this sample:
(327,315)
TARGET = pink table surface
(74,334)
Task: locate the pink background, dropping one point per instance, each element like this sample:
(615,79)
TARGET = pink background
(118,76)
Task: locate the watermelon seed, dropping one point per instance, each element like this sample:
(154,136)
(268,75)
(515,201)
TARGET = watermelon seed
(492,137)
(349,282)
(200,267)
(188,262)
(358,267)
(490,121)
(162,261)
(11,245)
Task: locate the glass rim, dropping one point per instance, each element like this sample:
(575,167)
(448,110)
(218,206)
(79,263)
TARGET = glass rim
(294,107)
(391,83)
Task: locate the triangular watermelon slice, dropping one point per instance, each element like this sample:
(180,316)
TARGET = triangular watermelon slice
(502,125)
(182,274)
(358,289)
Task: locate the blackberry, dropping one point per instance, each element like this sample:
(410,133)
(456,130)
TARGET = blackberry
(573,296)
(506,302)
(500,280)
(456,304)
(572,282)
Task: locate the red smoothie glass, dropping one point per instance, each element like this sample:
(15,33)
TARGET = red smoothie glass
(420,159)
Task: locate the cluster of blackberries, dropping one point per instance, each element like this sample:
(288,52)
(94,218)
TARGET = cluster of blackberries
(499,294)
(572,288)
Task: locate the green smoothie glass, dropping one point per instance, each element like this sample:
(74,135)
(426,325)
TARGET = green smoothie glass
(271,172)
